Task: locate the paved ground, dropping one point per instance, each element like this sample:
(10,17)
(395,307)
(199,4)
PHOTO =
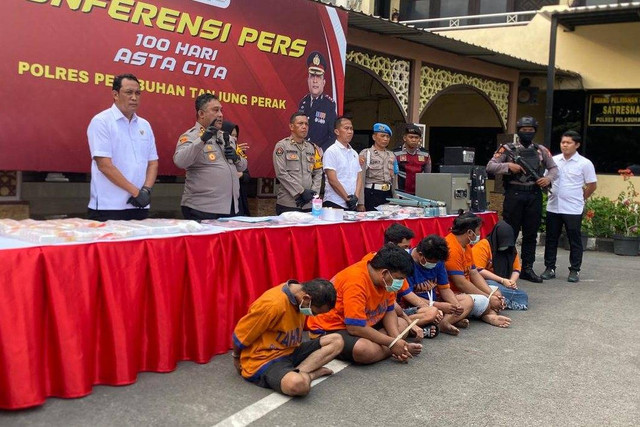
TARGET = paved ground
(572,359)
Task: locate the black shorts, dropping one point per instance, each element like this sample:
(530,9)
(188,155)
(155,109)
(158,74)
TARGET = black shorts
(350,342)
(275,372)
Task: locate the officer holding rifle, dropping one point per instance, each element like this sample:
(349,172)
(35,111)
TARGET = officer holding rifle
(523,164)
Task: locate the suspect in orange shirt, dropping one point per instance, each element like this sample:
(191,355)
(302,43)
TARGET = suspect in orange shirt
(267,342)
(364,314)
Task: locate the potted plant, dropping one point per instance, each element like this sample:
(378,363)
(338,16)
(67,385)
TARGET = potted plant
(625,220)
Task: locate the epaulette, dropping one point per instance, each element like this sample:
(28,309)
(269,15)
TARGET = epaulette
(328,97)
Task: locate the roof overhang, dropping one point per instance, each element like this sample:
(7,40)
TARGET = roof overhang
(423,37)
(598,15)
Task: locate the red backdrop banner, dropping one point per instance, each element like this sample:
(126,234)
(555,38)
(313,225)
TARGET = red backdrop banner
(59,58)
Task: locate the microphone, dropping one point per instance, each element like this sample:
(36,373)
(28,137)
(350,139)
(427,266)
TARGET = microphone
(227,143)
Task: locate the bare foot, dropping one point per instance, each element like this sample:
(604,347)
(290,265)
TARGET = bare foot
(448,328)
(463,324)
(497,320)
(320,372)
(414,348)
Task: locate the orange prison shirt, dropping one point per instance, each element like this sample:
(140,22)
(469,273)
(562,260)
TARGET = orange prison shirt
(270,330)
(358,301)
(484,258)
(460,261)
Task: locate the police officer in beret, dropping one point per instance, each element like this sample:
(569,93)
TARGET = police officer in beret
(298,167)
(522,207)
(212,161)
(378,169)
(319,108)
(412,159)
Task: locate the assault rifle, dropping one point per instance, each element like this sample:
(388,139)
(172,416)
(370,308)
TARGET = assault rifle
(526,167)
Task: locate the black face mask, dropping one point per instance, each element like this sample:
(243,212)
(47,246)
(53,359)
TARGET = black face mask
(526,138)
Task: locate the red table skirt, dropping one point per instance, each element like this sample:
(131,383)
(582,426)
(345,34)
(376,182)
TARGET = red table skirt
(75,316)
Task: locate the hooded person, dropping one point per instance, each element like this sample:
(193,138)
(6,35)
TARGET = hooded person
(498,262)
(245,179)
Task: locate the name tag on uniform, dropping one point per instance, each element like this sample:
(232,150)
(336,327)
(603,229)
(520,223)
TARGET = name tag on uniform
(402,158)
(421,158)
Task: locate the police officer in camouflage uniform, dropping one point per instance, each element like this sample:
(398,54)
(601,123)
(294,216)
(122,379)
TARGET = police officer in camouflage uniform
(210,156)
(298,167)
(378,169)
(319,108)
(412,159)
(522,206)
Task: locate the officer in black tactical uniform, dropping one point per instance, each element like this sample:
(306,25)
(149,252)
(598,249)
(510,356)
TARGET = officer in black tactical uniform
(522,206)
(319,108)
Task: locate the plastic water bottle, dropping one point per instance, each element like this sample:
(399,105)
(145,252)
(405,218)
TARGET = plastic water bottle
(316,206)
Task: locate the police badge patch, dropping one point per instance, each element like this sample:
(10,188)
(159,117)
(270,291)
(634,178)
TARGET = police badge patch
(279,151)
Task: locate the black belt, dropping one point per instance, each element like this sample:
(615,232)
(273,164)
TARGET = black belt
(523,188)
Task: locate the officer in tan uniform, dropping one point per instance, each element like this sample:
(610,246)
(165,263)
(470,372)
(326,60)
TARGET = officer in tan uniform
(298,166)
(378,169)
(212,161)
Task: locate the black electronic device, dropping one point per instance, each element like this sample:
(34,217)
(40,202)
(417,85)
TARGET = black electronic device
(478,189)
(459,155)
(457,169)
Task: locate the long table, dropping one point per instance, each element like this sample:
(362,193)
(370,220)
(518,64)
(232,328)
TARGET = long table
(75,316)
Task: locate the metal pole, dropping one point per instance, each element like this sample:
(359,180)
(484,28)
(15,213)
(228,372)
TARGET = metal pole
(551,78)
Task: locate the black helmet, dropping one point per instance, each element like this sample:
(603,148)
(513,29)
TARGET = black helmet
(527,121)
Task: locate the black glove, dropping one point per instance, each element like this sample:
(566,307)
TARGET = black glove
(209,133)
(305,197)
(230,153)
(352,202)
(142,199)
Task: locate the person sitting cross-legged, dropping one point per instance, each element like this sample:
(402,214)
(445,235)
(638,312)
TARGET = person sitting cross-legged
(463,275)
(428,316)
(430,283)
(364,314)
(267,342)
(498,262)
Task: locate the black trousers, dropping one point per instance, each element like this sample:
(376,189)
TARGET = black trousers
(196,215)
(523,210)
(572,225)
(373,198)
(282,208)
(124,214)
(328,204)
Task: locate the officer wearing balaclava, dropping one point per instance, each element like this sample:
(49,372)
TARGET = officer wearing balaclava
(522,207)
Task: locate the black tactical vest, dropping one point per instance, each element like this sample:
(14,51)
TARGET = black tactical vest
(532,157)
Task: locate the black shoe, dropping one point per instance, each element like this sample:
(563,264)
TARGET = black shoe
(530,275)
(574,276)
(549,273)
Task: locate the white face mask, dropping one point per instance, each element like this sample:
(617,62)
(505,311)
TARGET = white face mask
(306,310)
(476,239)
(428,264)
(395,285)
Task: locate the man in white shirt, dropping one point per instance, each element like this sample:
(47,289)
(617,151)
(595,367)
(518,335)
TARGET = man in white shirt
(575,183)
(125,160)
(342,167)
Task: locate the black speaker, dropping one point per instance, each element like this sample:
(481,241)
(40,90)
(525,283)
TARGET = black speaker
(459,155)
(478,196)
